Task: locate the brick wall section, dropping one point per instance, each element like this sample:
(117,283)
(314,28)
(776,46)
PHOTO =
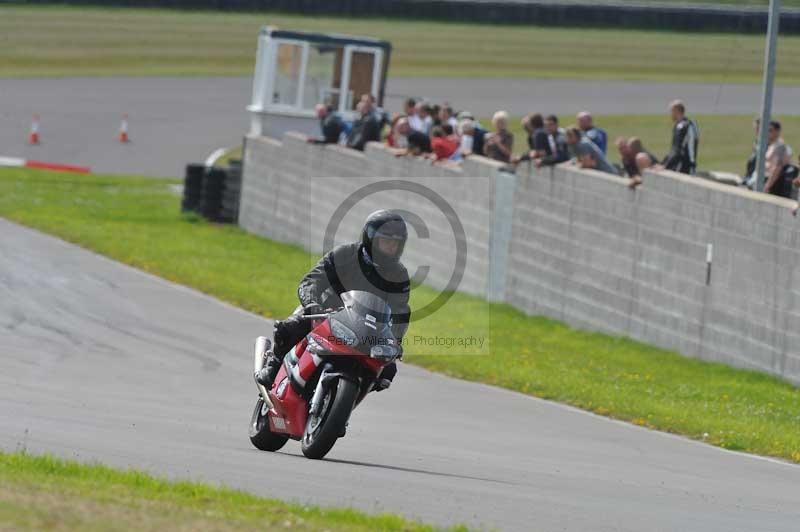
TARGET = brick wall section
(584,248)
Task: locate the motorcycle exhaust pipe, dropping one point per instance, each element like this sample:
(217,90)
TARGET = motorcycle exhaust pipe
(262,344)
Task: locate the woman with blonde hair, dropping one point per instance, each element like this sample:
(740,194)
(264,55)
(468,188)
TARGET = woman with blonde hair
(498,144)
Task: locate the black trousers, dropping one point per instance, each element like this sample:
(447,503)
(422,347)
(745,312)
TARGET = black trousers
(287,333)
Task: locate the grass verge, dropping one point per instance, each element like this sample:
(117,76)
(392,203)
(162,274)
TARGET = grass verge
(64,41)
(136,221)
(46,493)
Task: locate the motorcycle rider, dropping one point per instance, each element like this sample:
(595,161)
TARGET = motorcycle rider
(371,265)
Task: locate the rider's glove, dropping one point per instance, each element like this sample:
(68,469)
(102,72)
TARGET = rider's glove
(313,308)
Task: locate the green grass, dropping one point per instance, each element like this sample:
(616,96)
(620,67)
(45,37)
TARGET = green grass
(61,41)
(726,141)
(136,221)
(46,493)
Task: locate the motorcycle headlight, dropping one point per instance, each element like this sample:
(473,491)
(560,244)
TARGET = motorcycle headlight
(343,333)
(383,352)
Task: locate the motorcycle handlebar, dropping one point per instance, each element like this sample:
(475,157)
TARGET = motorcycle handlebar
(321,316)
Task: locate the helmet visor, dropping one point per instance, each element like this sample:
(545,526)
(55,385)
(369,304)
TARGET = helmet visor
(388,246)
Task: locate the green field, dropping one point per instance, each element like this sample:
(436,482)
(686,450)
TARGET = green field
(136,221)
(45,493)
(60,41)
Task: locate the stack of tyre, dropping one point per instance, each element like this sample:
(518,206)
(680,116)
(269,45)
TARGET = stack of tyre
(193,187)
(213,192)
(213,187)
(232,192)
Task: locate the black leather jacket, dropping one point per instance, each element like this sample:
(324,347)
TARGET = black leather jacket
(682,156)
(347,268)
(366,129)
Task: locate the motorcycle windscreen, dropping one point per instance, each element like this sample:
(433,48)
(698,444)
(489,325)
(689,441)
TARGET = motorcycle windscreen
(368,316)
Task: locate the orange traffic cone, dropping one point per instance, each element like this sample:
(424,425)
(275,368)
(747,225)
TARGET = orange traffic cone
(33,138)
(123,129)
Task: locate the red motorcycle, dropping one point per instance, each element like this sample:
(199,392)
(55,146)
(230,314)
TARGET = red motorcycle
(325,376)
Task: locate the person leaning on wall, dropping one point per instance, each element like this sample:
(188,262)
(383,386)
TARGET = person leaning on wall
(779,170)
(500,142)
(330,123)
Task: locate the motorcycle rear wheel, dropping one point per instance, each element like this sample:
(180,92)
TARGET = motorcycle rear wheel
(323,431)
(261,436)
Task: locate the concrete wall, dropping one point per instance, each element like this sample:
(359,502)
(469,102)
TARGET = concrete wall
(575,245)
(587,250)
(291,190)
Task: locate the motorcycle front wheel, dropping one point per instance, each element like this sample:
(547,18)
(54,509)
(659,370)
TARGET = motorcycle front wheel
(323,430)
(261,436)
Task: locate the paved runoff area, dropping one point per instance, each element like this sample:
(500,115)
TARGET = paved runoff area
(103,363)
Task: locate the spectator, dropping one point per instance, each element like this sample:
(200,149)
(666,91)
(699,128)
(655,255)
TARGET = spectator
(410,107)
(330,123)
(586,152)
(498,145)
(627,158)
(395,139)
(446,116)
(433,112)
(442,145)
(642,160)
(417,143)
(556,150)
(750,168)
(537,138)
(421,119)
(595,134)
(682,156)
(367,127)
(472,137)
(450,132)
(465,115)
(796,184)
(779,172)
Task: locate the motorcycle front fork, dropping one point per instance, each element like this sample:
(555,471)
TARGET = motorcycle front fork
(262,346)
(319,392)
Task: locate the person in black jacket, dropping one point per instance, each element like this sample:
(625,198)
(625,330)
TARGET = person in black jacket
(330,123)
(371,265)
(537,138)
(367,128)
(556,151)
(682,156)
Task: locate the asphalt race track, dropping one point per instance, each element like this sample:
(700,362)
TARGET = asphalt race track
(174,121)
(100,362)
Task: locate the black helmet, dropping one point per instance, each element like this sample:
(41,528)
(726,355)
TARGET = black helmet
(384,224)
